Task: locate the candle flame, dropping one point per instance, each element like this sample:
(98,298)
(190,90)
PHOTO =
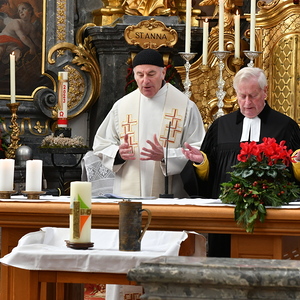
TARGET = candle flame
(206,20)
(237,12)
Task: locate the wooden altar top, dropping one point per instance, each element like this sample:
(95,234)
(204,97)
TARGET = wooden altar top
(201,218)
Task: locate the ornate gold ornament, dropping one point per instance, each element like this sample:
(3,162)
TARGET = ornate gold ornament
(150,34)
(85,56)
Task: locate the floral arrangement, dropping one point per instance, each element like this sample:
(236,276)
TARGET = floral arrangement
(60,141)
(260,179)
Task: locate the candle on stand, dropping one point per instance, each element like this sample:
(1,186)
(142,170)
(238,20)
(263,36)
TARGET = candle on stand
(205,42)
(80,217)
(237,35)
(252,25)
(188,20)
(12,59)
(62,103)
(7,170)
(34,171)
(221,25)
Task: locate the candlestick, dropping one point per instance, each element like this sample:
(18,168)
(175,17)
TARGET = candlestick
(80,216)
(34,171)
(187,83)
(237,35)
(205,42)
(221,25)
(62,104)
(252,55)
(188,20)
(220,92)
(15,133)
(12,78)
(252,25)
(7,170)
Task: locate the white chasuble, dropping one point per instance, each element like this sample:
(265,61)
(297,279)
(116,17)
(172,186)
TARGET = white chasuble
(141,117)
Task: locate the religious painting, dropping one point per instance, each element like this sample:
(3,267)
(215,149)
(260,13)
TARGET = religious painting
(21,33)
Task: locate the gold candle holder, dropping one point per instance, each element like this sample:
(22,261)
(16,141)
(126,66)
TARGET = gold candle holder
(6,194)
(15,133)
(33,195)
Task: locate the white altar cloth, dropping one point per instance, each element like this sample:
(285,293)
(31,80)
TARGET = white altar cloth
(157,201)
(46,250)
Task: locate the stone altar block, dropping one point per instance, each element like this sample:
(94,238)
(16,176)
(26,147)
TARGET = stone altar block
(218,278)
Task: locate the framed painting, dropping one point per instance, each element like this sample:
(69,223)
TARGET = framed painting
(22,33)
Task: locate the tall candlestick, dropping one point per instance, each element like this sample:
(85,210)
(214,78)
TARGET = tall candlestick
(205,41)
(34,171)
(80,217)
(188,20)
(12,78)
(62,104)
(221,25)
(252,25)
(7,168)
(237,35)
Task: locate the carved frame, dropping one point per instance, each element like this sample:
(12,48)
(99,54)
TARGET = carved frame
(64,50)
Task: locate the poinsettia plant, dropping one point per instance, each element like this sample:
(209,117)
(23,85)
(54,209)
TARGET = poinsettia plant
(261,178)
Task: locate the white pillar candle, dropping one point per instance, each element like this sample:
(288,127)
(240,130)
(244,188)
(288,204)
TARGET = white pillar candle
(34,171)
(188,20)
(252,25)
(80,217)
(7,170)
(237,35)
(221,25)
(62,104)
(205,42)
(12,78)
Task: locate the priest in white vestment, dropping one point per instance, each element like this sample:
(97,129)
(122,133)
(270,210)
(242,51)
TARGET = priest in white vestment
(132,140)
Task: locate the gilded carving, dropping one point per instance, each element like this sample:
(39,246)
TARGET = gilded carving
(149,7)
(61,20)
(150,34)
(85,57)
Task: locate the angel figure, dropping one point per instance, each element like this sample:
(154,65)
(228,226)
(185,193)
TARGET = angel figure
(228,18)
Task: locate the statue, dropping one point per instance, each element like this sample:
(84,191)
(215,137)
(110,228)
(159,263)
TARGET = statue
(149,7)
(228,18)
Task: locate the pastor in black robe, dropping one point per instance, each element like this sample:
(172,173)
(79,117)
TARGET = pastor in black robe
(222,145)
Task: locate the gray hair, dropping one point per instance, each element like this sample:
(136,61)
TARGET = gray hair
(248,73)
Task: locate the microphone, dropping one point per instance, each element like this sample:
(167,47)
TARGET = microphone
(166,194)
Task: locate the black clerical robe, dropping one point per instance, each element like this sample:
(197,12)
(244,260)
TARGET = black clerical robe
(222,145)
(222,142)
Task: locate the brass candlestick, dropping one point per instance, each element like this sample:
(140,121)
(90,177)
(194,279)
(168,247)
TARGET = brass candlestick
(15,133)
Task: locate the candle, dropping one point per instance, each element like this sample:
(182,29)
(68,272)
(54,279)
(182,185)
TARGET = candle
(205,42)
(62,104)
(221,25)
(80,217)
(188,20)
(252,25)
(12,78)
(7,170)
(34,171)
(237,35)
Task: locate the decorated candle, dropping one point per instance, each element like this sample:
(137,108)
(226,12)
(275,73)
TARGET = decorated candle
(62,113)
(80,216)
(12,59)
(188,21)
(237,35)
(252,25)
(34,171)
(221,25)
(7,168)
(205,42)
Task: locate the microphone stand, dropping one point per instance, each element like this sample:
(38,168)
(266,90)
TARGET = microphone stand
(166,194)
